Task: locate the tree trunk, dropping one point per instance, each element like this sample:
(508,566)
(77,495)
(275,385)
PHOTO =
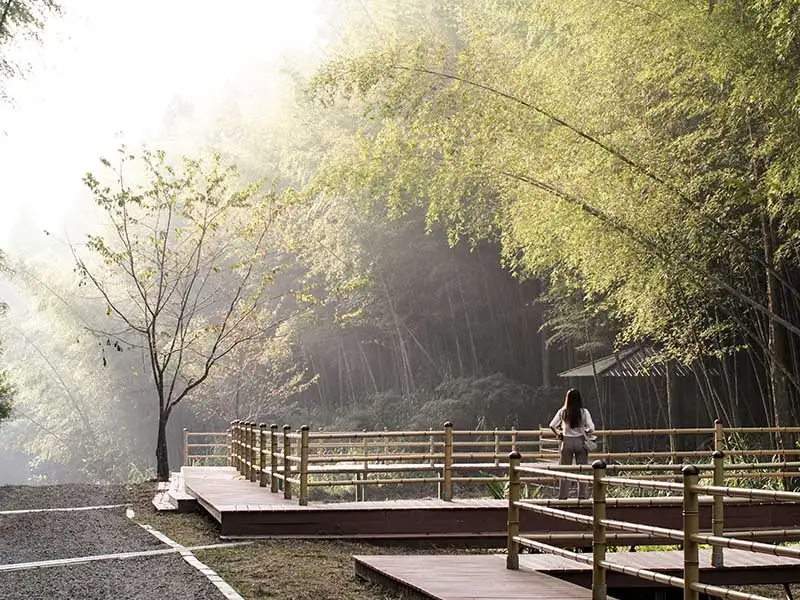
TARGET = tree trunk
(545,362)
(162,456)
(778,345)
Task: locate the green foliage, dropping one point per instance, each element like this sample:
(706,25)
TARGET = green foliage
(20,19)
(71,420)
(6,396)
(645,152)
(468,402)
(6,387)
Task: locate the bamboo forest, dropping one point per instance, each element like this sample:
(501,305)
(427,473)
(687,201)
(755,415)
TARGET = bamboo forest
(415,212)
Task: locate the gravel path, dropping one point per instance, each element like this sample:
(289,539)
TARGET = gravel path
(42,536)
(26,497)
(57,535)
(151,578)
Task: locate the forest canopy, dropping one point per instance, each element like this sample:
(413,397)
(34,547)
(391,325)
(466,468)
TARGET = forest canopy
(474,197)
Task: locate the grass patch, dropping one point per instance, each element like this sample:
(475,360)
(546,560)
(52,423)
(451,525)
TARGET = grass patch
(302,570)
(296,569)
(189,529)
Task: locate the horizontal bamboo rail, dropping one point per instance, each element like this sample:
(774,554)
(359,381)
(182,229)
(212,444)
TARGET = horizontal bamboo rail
(191,455)
(689,536)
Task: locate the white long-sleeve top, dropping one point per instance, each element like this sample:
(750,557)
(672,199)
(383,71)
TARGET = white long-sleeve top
(587,424)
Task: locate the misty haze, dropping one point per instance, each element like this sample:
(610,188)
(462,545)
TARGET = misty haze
(420,216)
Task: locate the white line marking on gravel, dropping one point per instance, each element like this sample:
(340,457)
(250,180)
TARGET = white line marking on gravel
(73,509)
(60,562)
(186,553)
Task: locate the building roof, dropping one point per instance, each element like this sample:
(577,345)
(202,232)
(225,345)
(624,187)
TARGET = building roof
(638,361)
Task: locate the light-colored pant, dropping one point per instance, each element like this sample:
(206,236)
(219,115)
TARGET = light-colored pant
(572,447)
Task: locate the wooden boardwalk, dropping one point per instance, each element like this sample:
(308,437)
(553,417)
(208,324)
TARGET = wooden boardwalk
(462,577)
(244,509)
(468,577)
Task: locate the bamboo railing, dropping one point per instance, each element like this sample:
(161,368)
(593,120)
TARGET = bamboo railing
(690,536)
(206,448)
(296,462)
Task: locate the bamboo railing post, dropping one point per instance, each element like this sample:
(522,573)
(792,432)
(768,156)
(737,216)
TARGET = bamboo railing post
(243,441)
(287,464)
(303,494)
(514,439)
(496,448)
(447,470)
(599,587)
(273,459)
(718,514)
(240,447)
(231,433)
(246,449)
(432,447)
(361,490)
(235,445)
(691,526)
(243,448)
(512,557)
(253,451)
(719,436)
(262,455)
(186,446)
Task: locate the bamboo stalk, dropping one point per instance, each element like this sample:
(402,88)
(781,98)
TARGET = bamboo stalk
(262,455)
(512,557)
(691,526)
(219,445)
(287,451)
(253,456)
(758,547)
(447,472)
(399,480)
(750,493)
(599,586)
(303,495)
(725,593)
(718,513)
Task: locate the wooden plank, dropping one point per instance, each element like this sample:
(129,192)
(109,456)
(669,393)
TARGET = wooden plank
(245,509)
(458,577)
(465,577)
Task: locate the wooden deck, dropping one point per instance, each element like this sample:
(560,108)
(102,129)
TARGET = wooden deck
(741,568)
(459,577)
(244,509)
(468,577)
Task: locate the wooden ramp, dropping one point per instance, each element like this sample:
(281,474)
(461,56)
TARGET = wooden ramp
(462,577)
(467,577)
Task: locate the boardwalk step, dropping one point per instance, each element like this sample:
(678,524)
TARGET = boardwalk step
(172,496)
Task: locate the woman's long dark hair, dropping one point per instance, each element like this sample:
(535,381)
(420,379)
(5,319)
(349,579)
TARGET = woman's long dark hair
(573,405)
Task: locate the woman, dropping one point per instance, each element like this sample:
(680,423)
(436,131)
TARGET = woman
(572,424)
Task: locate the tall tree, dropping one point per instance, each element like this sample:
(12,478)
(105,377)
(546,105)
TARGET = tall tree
(185,270)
